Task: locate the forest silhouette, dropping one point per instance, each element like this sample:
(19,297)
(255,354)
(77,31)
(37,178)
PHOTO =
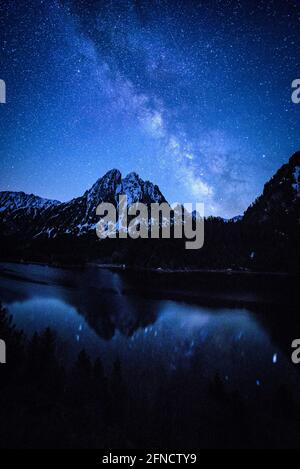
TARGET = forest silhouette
(44,404)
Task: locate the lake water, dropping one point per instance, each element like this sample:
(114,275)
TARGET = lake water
(102,312)
(205,357)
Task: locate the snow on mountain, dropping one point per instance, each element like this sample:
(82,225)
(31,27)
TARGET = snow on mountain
(20,213)
(77,217)
(138,190)
(33,216)
(10,201)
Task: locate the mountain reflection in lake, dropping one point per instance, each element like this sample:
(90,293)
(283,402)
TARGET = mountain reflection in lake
(109,315)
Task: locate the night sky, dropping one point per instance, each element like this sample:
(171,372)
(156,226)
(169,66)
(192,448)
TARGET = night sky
(193,95)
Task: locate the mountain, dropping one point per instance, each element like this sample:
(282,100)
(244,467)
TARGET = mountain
(21,213)
(33,216)
(266,238)
(280,199)
(271,225)
(11,201)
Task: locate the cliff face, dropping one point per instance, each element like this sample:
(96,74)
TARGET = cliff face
(30,215)
(281,196)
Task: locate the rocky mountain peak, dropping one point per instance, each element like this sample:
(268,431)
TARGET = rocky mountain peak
(78,216)
(133,187)
(133,177)
(106,186)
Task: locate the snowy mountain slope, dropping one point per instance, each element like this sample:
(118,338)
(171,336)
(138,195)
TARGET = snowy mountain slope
(35,217)
(39,217)
(10,201)
(20,212)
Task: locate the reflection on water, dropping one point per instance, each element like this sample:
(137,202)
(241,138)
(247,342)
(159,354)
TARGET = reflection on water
(89,309)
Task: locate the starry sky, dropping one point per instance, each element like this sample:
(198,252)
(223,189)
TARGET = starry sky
(192,95)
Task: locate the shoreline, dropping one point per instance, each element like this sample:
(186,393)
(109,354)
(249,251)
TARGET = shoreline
(212,288)
(157,270)
(160,270)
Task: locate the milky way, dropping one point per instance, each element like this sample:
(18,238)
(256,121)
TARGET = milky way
(193,95)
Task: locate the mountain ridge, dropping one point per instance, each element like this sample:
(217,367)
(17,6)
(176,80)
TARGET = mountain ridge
(265,238)
(280,196)
(77,216)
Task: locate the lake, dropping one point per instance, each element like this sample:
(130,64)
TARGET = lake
(237,334)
